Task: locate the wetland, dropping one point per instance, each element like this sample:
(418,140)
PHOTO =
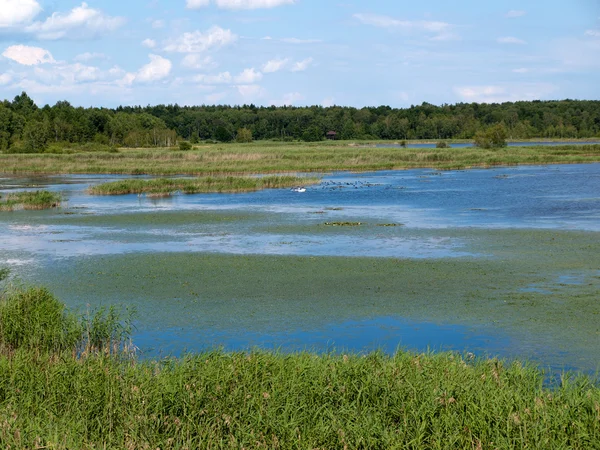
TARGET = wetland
(499,262)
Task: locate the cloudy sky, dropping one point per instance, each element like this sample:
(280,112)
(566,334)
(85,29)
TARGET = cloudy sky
(300,52)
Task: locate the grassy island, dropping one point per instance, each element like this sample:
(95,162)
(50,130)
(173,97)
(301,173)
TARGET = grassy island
(165,187)
(69,381)
(29,200)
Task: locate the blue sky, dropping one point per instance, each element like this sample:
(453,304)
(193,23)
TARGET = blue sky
(299,52)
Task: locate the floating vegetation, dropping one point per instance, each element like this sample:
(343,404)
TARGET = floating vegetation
(343,224)
(29,200)
(390,224)
(164,187)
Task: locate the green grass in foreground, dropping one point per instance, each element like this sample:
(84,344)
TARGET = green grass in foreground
(266,157)
(58,391)
(164,186)
(29,200)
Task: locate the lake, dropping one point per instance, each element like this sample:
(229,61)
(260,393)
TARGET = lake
(509,144)
(501,261)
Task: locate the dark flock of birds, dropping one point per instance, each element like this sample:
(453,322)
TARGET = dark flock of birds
(334,185)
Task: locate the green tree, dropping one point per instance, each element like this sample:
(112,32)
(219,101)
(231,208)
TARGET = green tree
(222,134)
(312,134)
(35,136)
(244,135)
(493,137)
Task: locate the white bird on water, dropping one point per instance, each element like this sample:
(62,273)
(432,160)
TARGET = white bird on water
(299,189)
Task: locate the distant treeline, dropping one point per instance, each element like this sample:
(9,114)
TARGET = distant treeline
(25,127)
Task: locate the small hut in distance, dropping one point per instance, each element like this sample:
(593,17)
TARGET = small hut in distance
(331,135)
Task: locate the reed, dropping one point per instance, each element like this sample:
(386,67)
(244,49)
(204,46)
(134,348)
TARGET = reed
(265,157)
(165,186)
(55,397)
(29,200)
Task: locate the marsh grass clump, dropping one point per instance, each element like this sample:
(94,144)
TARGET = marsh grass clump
(265,157)
(29,200)
(169,186)
(33,320)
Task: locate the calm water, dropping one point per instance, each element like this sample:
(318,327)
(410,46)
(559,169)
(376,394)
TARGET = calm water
(487,215)
(509,144)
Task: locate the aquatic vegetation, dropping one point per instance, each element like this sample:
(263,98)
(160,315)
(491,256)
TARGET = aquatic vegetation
(166,187)
(276,157)
(343,224)
(54,396)
(29,200)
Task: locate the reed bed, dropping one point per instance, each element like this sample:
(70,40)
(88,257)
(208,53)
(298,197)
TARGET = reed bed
(261,157)
(54,395)
(165,186)
(29,200)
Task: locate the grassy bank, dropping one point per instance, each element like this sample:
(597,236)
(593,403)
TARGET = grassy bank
(29,200)
(69,382)
(164,186)
(268,157)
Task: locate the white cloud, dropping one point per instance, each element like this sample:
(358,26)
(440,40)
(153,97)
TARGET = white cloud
(275,65)
(521,70)
(213,99)
(300,41)
(81,21)
(328,102)
(577,54)
(156,24)
(238,4)
(195,4)
(248,76)
(197,41)
(196,61)
(67,74)
(18,12)
(250,91)
(149,43)
(441,29)
(157,69)
(515,13)
(127,80)
(221,78)
(301,66)
(28,56)
(288,99)
(380,21)
(510,40)
(593,33)
(505,93)
(446,37)
(5,78)
(87,56)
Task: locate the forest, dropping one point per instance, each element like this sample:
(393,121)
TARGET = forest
(27,128)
